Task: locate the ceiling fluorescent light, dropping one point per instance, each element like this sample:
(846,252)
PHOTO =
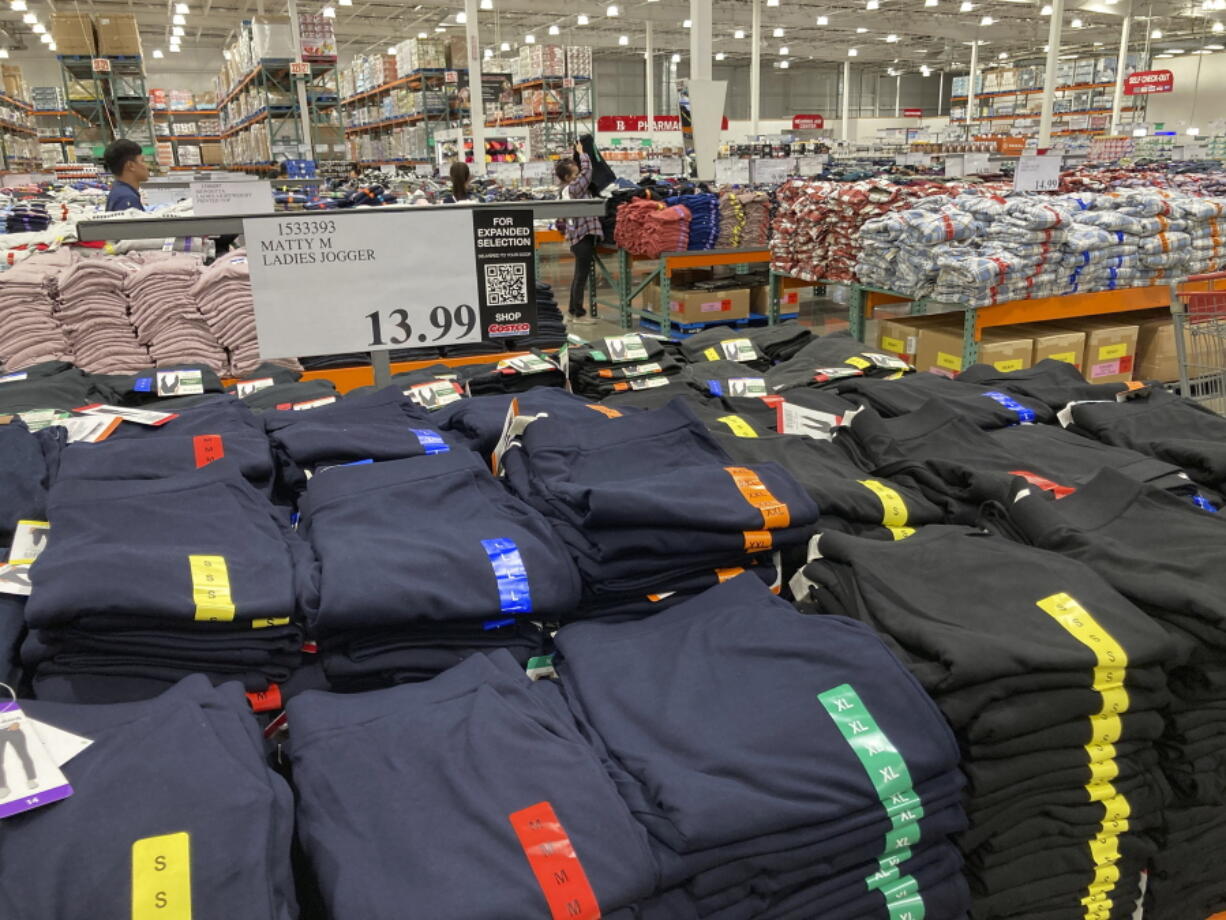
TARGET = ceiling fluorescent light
(623,39)
(823,20)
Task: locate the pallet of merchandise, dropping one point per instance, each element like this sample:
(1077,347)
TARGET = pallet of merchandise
(651,322)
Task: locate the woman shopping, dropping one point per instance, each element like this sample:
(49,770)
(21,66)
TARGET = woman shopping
(582,233)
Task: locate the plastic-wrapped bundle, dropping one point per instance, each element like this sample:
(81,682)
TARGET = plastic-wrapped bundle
(1164,242)
(1109,220)
(1035,214)
(944,226)
(1085,238)
(1200,208)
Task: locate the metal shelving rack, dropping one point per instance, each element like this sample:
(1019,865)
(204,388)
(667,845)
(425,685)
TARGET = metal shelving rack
(56,126)
(168,133)
(116,101)
(275,91)
(12,129)
(569,111)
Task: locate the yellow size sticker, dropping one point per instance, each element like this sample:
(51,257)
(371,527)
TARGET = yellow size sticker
(1109,352)
(894,345)
(162,878)
(858,362)
(1105,731)
(893,508)
(1008,367)
(900,533)
(265,622)
(946,360)
(1068,357)
(211,588)
(740,427)
(711,354)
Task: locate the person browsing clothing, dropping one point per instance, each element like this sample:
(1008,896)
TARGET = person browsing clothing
(460,177)
(126,162)
(582,233)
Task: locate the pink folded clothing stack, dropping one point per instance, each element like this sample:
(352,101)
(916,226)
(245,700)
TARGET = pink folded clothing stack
(223,294)
(164,312)
(29,332)
(648,228)
(90,303)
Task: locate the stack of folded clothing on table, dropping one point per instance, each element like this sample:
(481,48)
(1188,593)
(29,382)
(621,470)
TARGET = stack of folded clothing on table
(1056,689)
(649,228)
(636,556)
(720,343)
(725,378)
(165,315)
(512,375)
(477,423)
(744,219)
(222,292)
(839,805)
(704,218)
(188,588)
(29,332)
(780,342)
(1110,525)
(51,385)
(423,602)
(173,793)
(619,364)
(27,217)
(91,304)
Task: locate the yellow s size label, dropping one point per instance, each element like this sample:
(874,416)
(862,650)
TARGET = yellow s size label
(162,878)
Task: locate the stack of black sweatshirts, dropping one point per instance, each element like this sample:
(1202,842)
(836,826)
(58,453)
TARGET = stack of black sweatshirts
(550,328)
(651,508)
(404,598)
(167,557)
(27,217)
(517,374)
(1055,685)
(621,364)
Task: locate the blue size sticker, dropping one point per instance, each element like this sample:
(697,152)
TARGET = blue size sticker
(715,388)
(498,624)
(357,462)
(431,441)
(1023,414)
(1204,504)
(143,385)
(512,577)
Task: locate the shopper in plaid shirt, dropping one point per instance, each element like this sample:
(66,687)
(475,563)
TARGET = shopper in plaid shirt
(581,232)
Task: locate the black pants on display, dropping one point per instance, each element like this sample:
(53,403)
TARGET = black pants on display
(16,737)
(584,252)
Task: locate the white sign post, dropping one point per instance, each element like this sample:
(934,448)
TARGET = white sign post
(222,199)
(390,278)
(1036,173)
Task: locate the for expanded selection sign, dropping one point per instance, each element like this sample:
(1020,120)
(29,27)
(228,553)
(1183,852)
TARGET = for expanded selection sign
(380,280)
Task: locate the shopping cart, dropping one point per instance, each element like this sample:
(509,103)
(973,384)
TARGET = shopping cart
(1200,340)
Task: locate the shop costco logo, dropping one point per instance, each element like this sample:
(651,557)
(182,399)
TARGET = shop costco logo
(1145,82)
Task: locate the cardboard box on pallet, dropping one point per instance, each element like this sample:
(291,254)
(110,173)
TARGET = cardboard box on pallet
(73,34)
(1157,358)
(934,344)
(14,82)
(1055,343)
(689,306)
(760,295)
(118,34)
(1111,348)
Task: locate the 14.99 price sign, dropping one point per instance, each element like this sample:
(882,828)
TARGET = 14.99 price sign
(376,280)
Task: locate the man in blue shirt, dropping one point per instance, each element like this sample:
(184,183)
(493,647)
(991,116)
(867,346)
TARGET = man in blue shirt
(125,161)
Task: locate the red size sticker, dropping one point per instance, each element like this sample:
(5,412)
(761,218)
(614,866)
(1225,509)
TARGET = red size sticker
(1045,484)
(554,863)
(265,700)
(1126,364)
(208,448)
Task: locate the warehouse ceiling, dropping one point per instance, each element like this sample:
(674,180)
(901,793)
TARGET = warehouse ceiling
(902,34)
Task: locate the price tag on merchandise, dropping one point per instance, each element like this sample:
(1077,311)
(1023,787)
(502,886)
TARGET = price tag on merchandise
(347,282)
(1036,173)
(223,199)
(299,68)
(732,172)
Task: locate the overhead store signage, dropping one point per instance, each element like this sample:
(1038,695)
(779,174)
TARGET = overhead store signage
(1144,82)
(391,278)
(808,122)
(912,113)
(1035,173)
(223,199)
(639,123)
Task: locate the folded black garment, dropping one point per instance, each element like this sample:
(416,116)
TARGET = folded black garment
(202,546)
(980,405)
(214,414)
(477,423)
(511,375)
(1055,383)
(839,353)
(782,341)
(24,477)
(166,381)
(659,394)
(63,387)
(721,343)
(12,633)
(173,809)
(500,559)
(726,378)
(1163,425)
(527,805)
(303,394)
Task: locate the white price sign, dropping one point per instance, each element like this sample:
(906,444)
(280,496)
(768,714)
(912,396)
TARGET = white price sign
(810,166)
(537,172)
(505,173)
(352,282)
(772,172)
(626,169)
(955,166)
(670,166)
(221,199)
(732,172)
(977,164)
(1036,173)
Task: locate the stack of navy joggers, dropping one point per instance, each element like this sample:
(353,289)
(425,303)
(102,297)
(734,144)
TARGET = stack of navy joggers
(165,559)
(471,795)
(1056,686)
(171,797)
(651,508)
(422,560)
(783,765)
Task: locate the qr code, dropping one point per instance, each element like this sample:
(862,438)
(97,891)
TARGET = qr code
(506,285)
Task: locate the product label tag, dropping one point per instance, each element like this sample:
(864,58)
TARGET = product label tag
(1024,416)
(642,370)
(541,667)
(889,362)
(139,416)
(527,364)
(648,383)
(211,588)
(625,348)
(793,419)
(29,539)
(431,441)
(87,429)
(180,383)
(32,778)
(738,386)
(15,579)
(893,508)
(312,403)
(514,595)
(13,378)
(434,394)
(555,864)
(247,387)
(162,877)
(208,448)
(740,427)
(738,349)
